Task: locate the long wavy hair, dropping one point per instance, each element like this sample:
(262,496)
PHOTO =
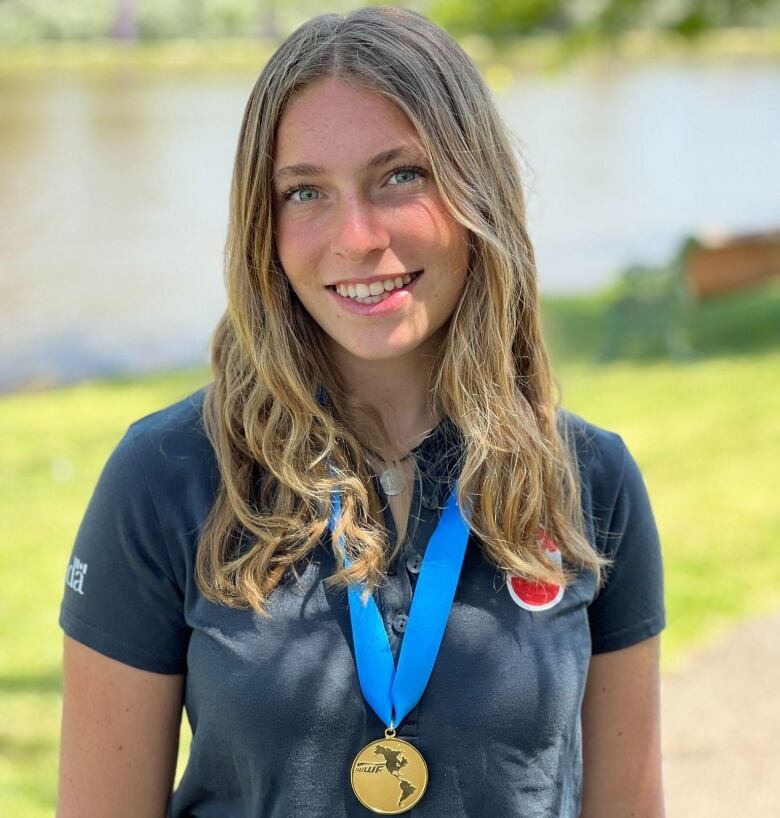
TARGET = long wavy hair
(281,449)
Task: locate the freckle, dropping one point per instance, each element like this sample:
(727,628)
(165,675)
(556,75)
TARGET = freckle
(620,733)
(603,688)
(121,747)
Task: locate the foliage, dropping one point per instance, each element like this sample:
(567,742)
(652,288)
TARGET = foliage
(24,20)
(30,20)
(502,19)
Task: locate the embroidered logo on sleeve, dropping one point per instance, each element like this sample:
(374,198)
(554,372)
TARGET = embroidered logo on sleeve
(531,594)
(75,576)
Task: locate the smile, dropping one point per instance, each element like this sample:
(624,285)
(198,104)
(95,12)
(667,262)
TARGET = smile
(376,291)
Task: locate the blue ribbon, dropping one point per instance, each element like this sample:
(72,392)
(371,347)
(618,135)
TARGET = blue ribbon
(393,693)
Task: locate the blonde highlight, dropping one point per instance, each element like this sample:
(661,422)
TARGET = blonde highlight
(282,451)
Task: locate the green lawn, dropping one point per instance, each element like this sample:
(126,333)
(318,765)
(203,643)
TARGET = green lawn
(706,434)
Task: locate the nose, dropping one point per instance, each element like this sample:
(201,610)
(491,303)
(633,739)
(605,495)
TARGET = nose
(359,229)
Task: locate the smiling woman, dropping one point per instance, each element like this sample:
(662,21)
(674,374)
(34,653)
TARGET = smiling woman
(375,559)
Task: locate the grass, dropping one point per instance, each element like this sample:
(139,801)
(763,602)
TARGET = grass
(705,432)
(53,448)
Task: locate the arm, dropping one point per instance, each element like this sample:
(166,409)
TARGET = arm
(120,736)
(621,734)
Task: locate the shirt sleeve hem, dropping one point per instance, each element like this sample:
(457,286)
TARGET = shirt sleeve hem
(628,636)
(109,646)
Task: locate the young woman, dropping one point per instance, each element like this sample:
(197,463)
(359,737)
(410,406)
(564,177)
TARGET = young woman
(379,565)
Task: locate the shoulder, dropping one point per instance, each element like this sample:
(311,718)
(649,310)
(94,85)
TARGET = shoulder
(178,422)
(164,470)
(172,439)
(601,454)
(611,484)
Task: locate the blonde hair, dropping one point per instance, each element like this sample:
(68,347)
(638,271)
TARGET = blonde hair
(280,450)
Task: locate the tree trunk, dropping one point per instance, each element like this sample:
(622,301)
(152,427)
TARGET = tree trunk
(125,26)
(267,24)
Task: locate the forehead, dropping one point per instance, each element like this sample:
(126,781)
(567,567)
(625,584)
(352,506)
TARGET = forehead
(333,119)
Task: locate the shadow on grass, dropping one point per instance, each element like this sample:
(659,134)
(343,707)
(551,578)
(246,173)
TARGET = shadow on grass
(49,682)
(23,750)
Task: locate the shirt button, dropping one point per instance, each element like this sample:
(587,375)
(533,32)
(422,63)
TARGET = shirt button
(414,563)
(429,502)
(400,622)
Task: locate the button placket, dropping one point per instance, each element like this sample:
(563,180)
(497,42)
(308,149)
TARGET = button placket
(400,621)
(414,563)
(430,501)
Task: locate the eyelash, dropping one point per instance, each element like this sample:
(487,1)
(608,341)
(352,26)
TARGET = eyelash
(286,194)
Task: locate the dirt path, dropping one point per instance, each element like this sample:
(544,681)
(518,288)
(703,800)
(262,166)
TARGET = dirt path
(721,728)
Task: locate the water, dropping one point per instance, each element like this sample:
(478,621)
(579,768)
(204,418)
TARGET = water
(114,192)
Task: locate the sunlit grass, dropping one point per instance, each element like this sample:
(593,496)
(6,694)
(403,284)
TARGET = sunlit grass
(707,437)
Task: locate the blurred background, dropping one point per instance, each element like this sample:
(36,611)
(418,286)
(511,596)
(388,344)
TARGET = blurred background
(648,133)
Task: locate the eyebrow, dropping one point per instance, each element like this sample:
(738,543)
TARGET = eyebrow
(383,158)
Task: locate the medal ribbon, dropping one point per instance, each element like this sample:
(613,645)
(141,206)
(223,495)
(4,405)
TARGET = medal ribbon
(392,692)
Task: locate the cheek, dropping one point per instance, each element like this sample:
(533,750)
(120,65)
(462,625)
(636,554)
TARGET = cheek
(455,250)
(438,230)
(295,250)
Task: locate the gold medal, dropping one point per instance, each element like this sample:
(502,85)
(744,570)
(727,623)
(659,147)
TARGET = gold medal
(389,776)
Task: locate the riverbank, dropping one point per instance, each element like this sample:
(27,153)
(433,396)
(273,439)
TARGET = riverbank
(537,52)
(580,331)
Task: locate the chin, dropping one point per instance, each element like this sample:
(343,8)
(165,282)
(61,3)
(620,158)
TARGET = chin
(380,350)
(385,353)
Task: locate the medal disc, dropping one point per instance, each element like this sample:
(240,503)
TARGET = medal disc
(389,775)
(392,481)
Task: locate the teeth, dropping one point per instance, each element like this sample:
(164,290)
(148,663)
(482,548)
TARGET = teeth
(372,299)
(375,291)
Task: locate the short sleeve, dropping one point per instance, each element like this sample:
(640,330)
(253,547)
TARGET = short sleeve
(630,605)
(120,596)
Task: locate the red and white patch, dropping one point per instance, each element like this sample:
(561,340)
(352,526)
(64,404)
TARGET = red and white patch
(531,594)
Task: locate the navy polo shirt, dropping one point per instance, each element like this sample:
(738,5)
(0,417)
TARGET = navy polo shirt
(275,706)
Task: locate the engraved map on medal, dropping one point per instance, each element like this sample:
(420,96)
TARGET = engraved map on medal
(389,776)
(394,762)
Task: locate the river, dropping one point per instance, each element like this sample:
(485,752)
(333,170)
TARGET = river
(114,189)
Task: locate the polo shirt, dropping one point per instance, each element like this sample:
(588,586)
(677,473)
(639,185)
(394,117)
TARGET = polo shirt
(274,703)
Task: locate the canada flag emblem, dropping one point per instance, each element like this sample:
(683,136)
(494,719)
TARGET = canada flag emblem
(531,594)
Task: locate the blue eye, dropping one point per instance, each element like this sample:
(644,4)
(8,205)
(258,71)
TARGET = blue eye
(408,169)
(290,192)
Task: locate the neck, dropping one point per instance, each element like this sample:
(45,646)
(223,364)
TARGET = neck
(397,388)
